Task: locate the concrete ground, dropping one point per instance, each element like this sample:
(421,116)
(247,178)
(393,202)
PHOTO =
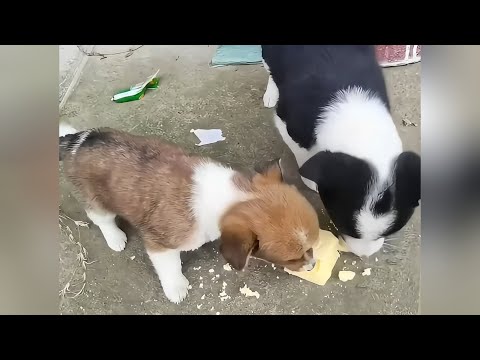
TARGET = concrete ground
(192,95)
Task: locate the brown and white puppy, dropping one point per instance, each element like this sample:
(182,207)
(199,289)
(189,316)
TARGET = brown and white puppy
(180,202)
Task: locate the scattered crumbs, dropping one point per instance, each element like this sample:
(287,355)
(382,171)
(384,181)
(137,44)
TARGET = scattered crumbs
(213,278)
(217,313)
(278,277)
(247,292)
(367,272)
(201,286)
(201,277)
(391,293)
(346,275)
(212,309)
(376,259)
(197,268)
(345,261)
(217,276)
(301,280)
(354,262)
(223,295)
(132,257)
(203,297)
(227,267)
(189,287)
(274,267)
(199,306)
(293,311)
(211,271)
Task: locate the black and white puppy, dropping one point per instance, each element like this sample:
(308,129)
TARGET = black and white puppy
(333,112)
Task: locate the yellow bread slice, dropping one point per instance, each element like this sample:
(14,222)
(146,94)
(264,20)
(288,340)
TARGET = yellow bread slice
(326,253)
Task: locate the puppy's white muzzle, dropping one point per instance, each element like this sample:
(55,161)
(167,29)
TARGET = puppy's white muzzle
(362,247)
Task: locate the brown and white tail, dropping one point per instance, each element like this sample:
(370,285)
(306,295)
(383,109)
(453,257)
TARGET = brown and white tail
(70,140)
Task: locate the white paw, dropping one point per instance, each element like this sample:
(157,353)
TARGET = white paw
(270,98)
(176,289)
(310,184)
(116,239)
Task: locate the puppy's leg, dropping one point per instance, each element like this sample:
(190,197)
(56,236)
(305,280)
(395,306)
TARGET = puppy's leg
(116,238)
(270,98)
(168,266)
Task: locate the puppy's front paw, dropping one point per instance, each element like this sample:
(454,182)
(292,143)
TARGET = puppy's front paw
(270,98)
(176,289)
(116,239)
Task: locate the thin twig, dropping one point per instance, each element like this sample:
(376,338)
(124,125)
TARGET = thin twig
(82,258)
(103,56)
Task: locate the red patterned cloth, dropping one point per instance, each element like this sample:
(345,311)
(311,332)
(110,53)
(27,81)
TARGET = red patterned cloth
(395,55)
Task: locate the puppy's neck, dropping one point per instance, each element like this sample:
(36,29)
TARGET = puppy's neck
(215,189)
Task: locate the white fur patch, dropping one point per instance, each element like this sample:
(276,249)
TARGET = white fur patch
(370,226)
(362,247)
(76,145)
(359,124)
(213,193)
(270,98)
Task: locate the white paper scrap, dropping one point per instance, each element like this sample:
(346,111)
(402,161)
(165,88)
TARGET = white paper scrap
(209,136)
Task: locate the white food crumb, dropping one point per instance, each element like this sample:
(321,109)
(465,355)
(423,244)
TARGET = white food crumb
(197,268)
(366,272)
(199,306)
(203,297)
(213,278)
(345,261)
(274,267)
(354,262)
(301,280)
(376,259)
(224,285)
(211,271)
(247,292)
(217,276)
(132,257)
(278,277)
(227,267)
(201,285)
(212,309)
(201,278)
(189,287)
(346,275)
(217,313)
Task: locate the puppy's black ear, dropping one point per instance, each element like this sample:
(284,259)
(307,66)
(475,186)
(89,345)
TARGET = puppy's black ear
(335,170)
(408,179)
